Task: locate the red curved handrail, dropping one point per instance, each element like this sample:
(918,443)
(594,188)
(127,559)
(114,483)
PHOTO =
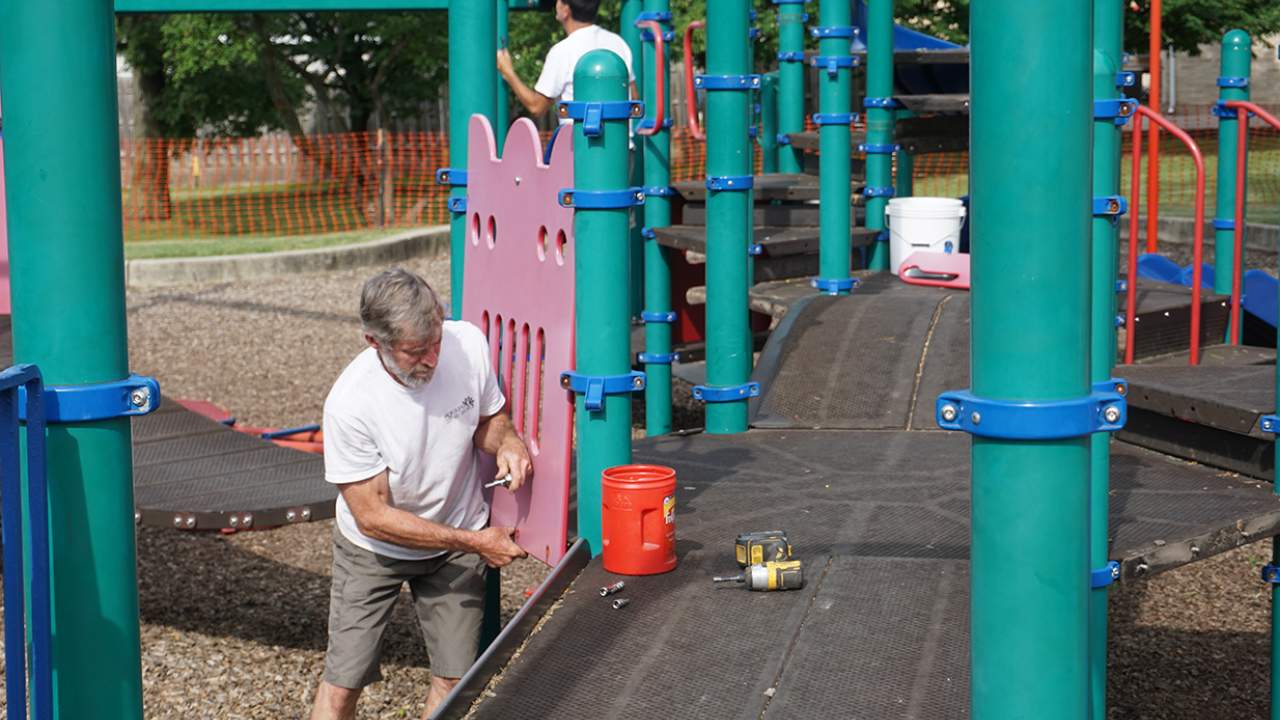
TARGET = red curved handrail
(1242,108)
(1131,287)
(660,72)
(1197,252)
(690,93)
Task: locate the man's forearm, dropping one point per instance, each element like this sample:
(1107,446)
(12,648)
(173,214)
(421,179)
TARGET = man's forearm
(532,100)
(395,526)
(493,432)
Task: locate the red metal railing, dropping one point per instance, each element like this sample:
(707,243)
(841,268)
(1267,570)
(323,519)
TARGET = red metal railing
(690,92)
(1197,252)
(660,72)
(1242,108)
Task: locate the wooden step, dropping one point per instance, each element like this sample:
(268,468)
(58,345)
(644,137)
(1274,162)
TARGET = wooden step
(918,136)
(957,103)
(774,186)
(774,242)
(774,214)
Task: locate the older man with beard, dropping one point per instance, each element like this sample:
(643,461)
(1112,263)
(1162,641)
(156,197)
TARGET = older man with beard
(403,425)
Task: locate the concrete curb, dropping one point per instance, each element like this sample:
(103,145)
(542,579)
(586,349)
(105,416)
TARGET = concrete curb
(428,241)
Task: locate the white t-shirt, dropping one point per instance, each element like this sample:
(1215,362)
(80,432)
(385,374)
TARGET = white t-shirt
(556,80)
(424,436)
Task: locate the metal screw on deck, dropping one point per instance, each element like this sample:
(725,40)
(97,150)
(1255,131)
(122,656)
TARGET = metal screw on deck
(602,322)
(1233,84)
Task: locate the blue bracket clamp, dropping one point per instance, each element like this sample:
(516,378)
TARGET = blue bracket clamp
(662,316)
(1104,575)
(658,191)
(833,286)
(458,205)
(1110,206)
(793,56)
(833,31)
(789,2)
(647,123)
(755,249)
(1020,420)
(600,199)
(875,192)
(593,114)
(454,177)
(657,358)
(878,149)
(727,82)
(1233,81)
(726,393)
(730,182)
(1271,574)
(835,118)
(882,103)
(1224,224)
(648,234)
(595,387)
(1126,79)
(647,35)
(661,16)
(783,139)
(134,395)
(833,63)
(1118,110)
(1269,423)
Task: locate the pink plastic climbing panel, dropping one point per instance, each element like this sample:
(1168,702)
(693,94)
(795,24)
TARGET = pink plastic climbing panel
(518,288)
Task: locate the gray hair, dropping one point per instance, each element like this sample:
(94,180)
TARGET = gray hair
(396,304)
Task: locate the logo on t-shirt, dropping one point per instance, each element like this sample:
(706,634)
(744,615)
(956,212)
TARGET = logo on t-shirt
(466,405)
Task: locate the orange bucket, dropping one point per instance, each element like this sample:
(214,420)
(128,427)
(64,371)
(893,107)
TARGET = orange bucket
(638,523)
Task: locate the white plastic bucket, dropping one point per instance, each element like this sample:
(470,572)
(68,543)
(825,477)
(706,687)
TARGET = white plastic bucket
(922,223)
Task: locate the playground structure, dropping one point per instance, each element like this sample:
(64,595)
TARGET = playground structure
(851,371)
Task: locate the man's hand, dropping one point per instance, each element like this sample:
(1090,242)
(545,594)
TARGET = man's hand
(496,547)
(505,67)
(513,458)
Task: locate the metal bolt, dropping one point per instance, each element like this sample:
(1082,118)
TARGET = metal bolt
(177,521)
(1111,414)
(976,417)
(568,198)
(306,513)
(637,111)
(291,516)
(140,397)
(1141,569)
(611,589)
(563,110)
(620,603)
(1115,572)
(638,383)
(247,520)
(1122,389)
(137,517)
(1113,207)
(1195,550)
(564,381)
(235,521)
(949,413)
(517,180)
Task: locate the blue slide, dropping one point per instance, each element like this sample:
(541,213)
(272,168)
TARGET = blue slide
(930,79)
(1257,296)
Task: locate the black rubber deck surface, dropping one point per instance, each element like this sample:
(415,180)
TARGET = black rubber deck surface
(880,630)
(1230,398)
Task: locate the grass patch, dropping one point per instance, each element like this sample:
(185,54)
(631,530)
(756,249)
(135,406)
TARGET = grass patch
(244,244)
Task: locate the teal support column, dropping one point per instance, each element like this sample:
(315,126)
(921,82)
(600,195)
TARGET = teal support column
(1030,512)
(602,323)
(791,21)
(57,76)
(768,134)
(728,112)
(1108,33)
(881,117)
(631,35)
(903,181)
(502,101)
(835,88)
(472,89)
(657,270)
(1233,84)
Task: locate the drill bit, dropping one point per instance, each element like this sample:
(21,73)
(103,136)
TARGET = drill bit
(729,578)
(504,482)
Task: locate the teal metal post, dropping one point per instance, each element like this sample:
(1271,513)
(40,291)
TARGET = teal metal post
(768,134)
(791,21)
(1108,26)
(835,88)
(657,214)
(472,89)
(881,117)
(729,179)
(1030,338)
(502,101)
(57,75)
(1233,84)
(903,182)
(631,35)
(602,324)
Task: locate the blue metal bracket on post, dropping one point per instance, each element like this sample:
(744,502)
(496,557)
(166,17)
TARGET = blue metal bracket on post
(884,103)
(454,177)
(730,182)
(657,358)
(834,31)
(728,393)
(727,82)
(658,191)
(1223,112)
(135,395)
(877,149)
(1126,79)
(592,114)
(1021,420)
(600,199)
(647,123)
(875,192)
(457,205)
(1118,110)
(666,316)
(1269,423)
(1104,575)
(793,56)
(1224,224)
(595,387)
(1233,81)
(783,139)
(789,2)
(833,286)
(1271,574)
(835,118)
(1112,206)
(833,63)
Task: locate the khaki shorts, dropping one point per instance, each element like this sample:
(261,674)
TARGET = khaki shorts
(448,595)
